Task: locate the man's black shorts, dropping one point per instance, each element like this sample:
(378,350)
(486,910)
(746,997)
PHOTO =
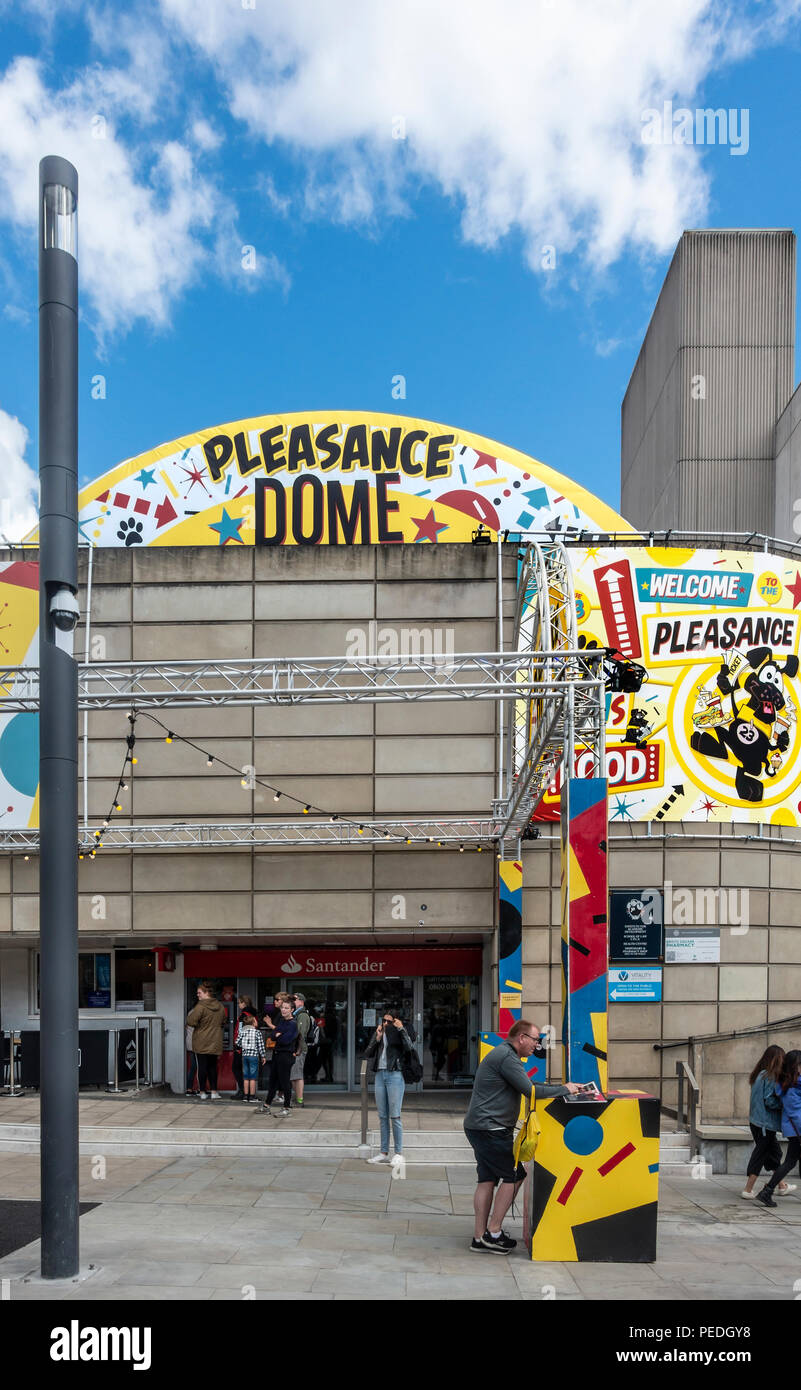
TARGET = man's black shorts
(495,1159)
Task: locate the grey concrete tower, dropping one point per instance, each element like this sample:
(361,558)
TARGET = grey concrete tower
(714,373)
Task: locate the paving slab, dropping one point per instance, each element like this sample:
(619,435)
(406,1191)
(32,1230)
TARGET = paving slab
(273,1227)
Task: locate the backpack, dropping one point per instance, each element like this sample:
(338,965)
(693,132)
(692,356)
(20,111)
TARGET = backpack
(313,1035)
(411,1068)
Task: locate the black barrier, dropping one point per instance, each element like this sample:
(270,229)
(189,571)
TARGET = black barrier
(93,1052)
(93,1049)
(126,1056)
(29,1070)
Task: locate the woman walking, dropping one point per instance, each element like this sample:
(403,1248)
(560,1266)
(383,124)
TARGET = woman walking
(789,1090)
(207,1019)
(765,1118)
(387,1048)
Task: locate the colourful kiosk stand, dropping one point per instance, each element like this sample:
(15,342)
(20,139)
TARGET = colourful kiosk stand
(591,1191)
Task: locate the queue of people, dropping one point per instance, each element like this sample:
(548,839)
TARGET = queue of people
(276,1050)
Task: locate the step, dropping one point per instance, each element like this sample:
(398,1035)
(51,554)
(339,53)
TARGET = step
(272,1137)
(431,1146)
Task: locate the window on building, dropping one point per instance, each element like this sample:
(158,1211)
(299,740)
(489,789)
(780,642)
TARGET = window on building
(135,981)
(124,981)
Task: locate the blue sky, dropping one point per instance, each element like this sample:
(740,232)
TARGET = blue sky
(228,125)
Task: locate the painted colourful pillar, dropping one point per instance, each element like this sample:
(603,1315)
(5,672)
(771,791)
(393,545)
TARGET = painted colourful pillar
(510,962)
(591,1191)
(584,930)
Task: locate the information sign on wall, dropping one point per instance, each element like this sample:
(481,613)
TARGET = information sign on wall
(696,945)
(635,986)
(635,925)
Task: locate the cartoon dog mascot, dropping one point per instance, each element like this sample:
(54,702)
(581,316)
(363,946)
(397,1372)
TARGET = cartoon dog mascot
(749,738)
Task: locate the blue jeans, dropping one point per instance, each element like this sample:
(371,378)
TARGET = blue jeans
(389,1089)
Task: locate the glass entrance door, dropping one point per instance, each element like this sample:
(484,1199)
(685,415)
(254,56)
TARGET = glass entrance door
(372,998)
(450,1030)
(327,1003)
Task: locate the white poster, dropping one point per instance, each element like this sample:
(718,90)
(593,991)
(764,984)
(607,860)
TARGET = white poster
(698,945)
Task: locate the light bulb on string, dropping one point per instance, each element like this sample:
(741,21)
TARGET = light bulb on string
(170,736)
(277,796)
(209,761)
(306,810)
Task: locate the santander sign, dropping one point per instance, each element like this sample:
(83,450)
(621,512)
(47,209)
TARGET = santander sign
(312,966)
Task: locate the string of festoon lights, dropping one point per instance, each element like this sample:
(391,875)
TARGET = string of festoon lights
(249,781)
(122,786)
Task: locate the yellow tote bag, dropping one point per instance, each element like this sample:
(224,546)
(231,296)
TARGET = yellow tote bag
(527,1136)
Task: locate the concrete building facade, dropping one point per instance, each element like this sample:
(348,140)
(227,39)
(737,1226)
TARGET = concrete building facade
(246,905)
(700,449)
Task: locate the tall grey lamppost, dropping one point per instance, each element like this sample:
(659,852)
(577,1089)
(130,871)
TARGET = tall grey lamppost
(58,712)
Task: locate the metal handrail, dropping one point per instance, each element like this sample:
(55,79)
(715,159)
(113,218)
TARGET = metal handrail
(693,1102)
(364,1098)
(733,1033)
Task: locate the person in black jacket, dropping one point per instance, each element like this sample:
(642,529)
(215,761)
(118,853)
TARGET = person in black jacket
(285,1033)
(386,1048)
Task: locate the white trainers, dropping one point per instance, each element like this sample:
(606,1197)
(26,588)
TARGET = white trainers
(784,1188)
(215,1095)
(380,1158)
(749,1196)
(202,1095)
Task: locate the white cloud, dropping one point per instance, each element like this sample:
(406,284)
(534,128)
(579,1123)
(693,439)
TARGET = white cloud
(17,314)
(20,486)
(205,135)
(527,113)
(140,230)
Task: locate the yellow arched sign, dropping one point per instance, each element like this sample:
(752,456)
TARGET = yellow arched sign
(331,478)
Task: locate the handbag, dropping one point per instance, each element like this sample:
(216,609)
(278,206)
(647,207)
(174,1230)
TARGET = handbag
(526,1138)
(411,1068)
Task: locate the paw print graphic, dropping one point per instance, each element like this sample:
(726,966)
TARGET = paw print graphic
(130,531)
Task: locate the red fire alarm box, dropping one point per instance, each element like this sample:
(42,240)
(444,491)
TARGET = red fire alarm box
(165,960)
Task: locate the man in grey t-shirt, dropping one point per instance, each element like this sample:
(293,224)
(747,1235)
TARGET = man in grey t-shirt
(489,1124)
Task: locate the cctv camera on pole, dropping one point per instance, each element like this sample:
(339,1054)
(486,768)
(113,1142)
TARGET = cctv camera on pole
(58,712)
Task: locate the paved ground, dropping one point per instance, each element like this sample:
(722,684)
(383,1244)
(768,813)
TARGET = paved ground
(212,1228)
(337,1111)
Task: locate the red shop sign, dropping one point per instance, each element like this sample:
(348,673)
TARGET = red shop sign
(311,963)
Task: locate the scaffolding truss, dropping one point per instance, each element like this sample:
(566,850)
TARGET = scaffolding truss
(553,689)
(291,681)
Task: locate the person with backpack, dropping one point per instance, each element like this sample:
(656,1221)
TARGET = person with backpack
(388,1048)
(788,1089)
(303,1019)
(765,1117)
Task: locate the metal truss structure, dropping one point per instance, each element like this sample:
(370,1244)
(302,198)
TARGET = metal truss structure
(290,681)
(291,834)
(554,692)
(565,714)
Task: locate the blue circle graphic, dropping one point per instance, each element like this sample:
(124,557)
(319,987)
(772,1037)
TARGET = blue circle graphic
(583,1135)
(19,753)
